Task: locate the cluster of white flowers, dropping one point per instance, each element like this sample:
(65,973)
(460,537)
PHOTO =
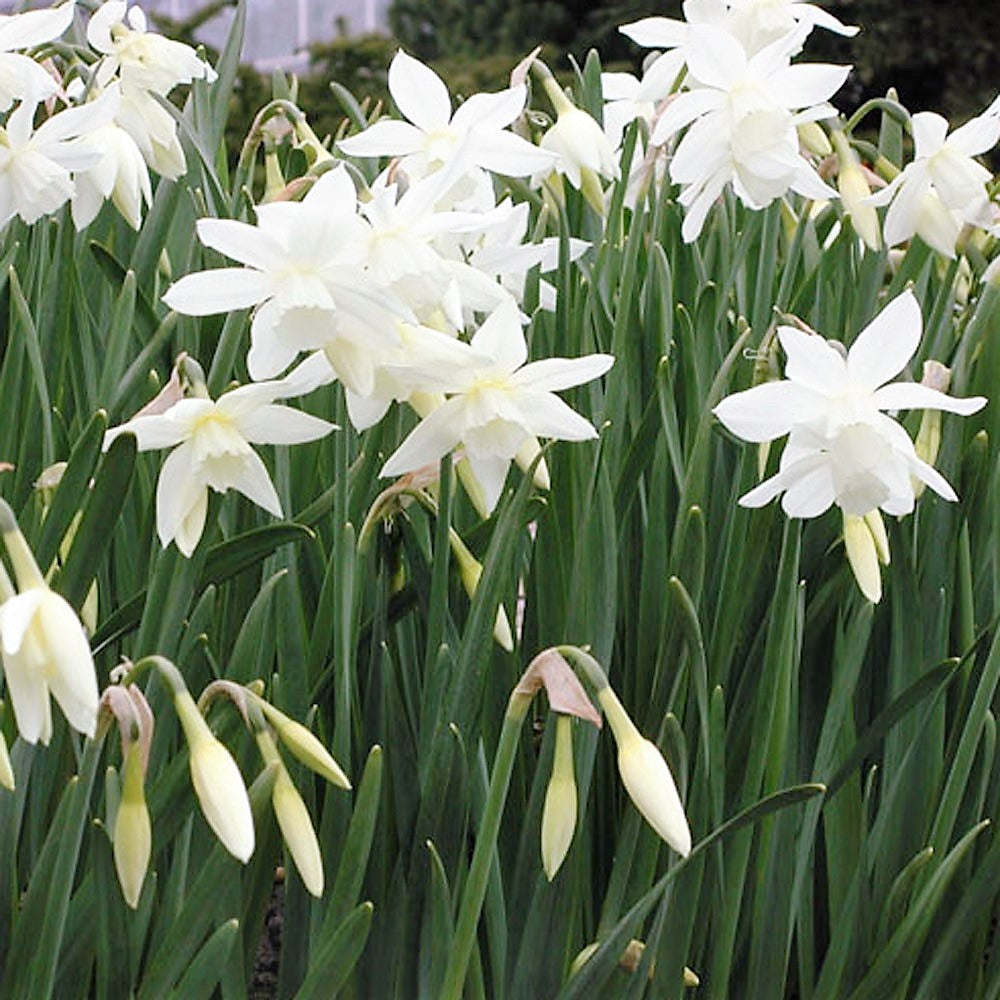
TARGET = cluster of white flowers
(843,447)
(944,187)
(110,128)
(723,99)
(407,291)
(740,103)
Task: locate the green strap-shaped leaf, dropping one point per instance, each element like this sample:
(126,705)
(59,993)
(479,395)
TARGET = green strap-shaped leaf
(335,958)
(71,493)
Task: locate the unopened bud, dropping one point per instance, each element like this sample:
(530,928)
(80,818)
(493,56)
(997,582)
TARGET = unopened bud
(304,746)
(863,556)
(928,443)
(217,781)
(132,836)
(854,192)
(814,139)
(6,769)
(470,570)
(559,811)
(646,777)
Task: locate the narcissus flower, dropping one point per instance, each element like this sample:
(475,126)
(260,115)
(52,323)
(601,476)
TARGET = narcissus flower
(432,136)
(944,186)
(36,164)
(45,648)
(20,75)
(303,270)
(843,447)
(141,57)
(211,442)
(502,406)
(741,113)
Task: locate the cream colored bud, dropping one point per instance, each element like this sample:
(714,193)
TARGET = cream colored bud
(470,569)
(559,811)
(862,555)
(873,519)
(297,831)
(526,455)
(991,276)
(854,190)
(6,769)
(132,836)
(304,746)
(928,443)
(814,139)
(217,782)
(646,777)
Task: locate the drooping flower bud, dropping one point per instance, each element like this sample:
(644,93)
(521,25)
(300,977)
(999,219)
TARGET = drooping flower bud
(646,776)
(304,746)
(293,817)
(217,781)
(470,569)
(854,191)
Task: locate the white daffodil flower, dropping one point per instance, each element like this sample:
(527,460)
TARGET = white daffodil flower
(44,647)
(843,447)
(120,174)
(20,75)
(140,57)
(432,135)
(211,442)
(401,254)
(36,165)
(944,186)
(304,273)
(628,97)
(759,22)
(502,407)
(741,115)
(154,131)
(756,23)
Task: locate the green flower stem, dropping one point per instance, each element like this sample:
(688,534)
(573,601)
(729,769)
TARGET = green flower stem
(489,828)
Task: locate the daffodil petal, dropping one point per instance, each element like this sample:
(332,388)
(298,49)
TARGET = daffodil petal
(883,348)
(205,293)
(554,374)
(914,396)
(767,411)
(254,482)
(419,93)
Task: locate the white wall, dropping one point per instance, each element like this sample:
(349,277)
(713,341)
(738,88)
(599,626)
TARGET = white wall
(276,29)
